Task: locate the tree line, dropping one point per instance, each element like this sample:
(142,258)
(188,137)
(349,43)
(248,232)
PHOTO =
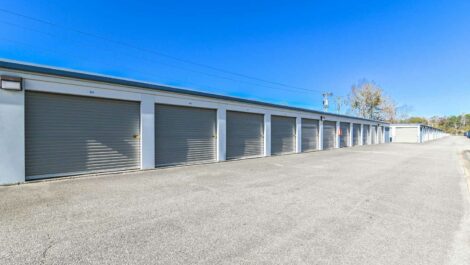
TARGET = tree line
(368,100)
(455,124)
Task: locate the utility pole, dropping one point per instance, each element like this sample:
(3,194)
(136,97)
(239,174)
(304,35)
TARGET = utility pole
(325,100)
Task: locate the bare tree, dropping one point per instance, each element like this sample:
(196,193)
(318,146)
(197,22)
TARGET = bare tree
(388,110)
(368,100)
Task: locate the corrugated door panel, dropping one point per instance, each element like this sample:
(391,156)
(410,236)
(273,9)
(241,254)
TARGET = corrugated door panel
(70,134)
(184,135)
(387,134)
(406,135)
(344,136)
(309,135)
(366,134)
(245,135)
(329,134)
(373,134)
(356,134)
(282,135)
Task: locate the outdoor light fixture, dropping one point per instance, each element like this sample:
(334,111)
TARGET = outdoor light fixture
(322,118)
(12,83)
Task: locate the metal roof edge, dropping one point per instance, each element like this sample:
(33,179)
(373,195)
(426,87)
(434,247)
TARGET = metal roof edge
(405,124)
(63,72)
(414,124)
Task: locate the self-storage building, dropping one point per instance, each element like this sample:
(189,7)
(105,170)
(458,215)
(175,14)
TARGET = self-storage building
(413,133)
(59,122)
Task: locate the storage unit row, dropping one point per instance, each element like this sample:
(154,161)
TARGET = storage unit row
(58,122)
(68,135)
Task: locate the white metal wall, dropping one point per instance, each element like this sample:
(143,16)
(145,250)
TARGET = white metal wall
(407,135)
(414,133)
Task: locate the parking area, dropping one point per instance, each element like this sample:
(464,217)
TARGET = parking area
(380,204)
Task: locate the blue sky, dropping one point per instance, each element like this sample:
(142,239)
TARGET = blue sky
(418,51)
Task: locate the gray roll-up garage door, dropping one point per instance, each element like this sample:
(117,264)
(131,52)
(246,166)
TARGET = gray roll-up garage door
(387,134)
(406,135)
(344,134)
(245,135)
(309,135)
(184,135)
(373,134)
(282,135)
(329,134)
(356,134)
(366,134)
(68,135)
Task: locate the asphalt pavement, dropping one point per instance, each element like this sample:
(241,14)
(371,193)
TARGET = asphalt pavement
(382,204)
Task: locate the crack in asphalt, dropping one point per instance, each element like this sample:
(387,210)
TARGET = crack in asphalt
(46,250)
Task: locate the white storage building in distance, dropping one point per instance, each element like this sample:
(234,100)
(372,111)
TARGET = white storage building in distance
(414,133)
